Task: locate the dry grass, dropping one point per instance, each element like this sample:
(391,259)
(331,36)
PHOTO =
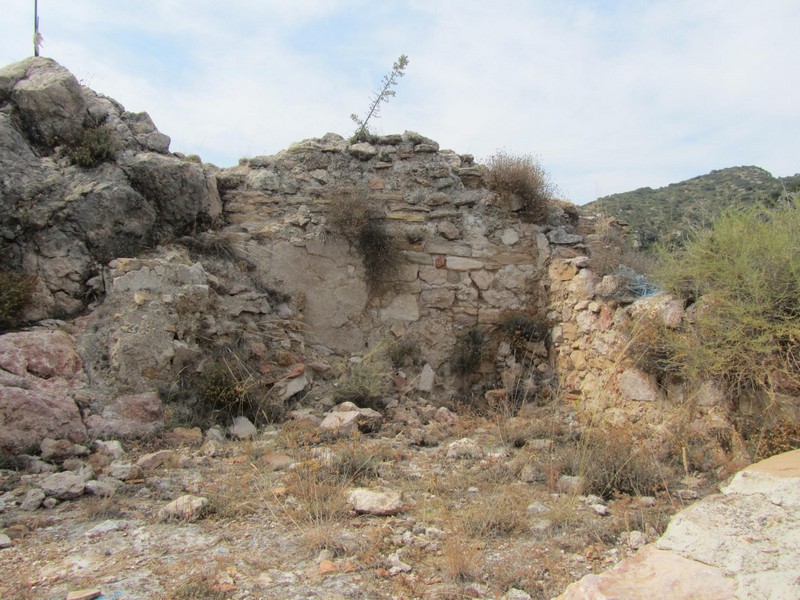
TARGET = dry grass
(198,586)
(366,383)
(102,507)
(499,514)
(459,558)
(522,178)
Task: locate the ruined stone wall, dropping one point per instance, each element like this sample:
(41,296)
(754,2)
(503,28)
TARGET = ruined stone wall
(464,256)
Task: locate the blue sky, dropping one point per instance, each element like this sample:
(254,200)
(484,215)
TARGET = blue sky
(611,96)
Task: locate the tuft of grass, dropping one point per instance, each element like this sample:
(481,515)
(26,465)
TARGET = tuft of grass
(743,278)
(102,507)
(16,290)
(92,146)
(521,177)
(366,383)
(500,514)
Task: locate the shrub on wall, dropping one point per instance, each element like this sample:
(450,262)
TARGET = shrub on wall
(359,220)
(523,178)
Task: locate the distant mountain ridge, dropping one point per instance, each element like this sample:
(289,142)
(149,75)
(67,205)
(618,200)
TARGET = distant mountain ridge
(670,213)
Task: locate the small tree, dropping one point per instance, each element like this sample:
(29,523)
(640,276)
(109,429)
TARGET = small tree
(386,92)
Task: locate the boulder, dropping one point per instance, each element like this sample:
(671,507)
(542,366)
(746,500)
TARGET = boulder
(635,384)
(64,486)
(128,416)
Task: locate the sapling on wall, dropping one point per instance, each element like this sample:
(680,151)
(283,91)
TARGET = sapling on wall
(389,81)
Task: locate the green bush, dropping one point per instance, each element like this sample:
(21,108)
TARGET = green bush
(743,277)
(524,178)
(92,146)
(15,292)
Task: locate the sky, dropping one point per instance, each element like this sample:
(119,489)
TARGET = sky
(609,96)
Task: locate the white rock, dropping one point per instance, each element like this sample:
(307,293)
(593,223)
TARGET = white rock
(374,502)
(426,379)
(185,508)
(464,448)
(243,429)
(5,541)
(64,486)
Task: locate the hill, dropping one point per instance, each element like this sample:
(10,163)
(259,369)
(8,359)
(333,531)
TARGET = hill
(670,212)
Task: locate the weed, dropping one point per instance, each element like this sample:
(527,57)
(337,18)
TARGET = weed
(366,383)
(468,351)
(521,178)
(15,292)
(92,146)
(404,353)
(318,499)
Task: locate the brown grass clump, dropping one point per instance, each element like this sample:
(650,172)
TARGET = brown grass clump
(523,179)
(498,515)
(612,461)
(366,383)
(198,586)
(459,558)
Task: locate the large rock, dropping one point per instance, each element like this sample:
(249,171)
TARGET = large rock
(38,369)
(743,543)
(128,416)
(375,502)
(48,97)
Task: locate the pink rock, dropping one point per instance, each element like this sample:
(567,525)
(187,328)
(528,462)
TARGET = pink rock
(43,354)
(654,573)
(28,416)
(128,416)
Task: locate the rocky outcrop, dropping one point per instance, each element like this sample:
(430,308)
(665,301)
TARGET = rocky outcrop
(61,222)
(743,543)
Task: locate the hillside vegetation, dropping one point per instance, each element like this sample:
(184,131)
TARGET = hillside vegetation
(669,213)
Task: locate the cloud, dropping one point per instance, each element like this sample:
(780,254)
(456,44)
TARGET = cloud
(611,96)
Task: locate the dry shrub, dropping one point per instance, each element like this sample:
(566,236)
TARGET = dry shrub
(367,382)
(404,353)
(92,146)
(361,222)
(498,515)
(521,328)
(459,558)
(769,440)
(612,248)
(102,507)
(198,586)
(468,351)
(612,461)
(523,178)
(650,346)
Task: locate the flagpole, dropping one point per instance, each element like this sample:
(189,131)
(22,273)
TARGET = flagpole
(36,27)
